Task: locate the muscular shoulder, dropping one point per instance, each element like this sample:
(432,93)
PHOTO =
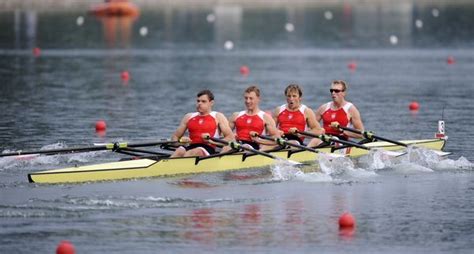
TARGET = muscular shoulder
(220,116)
(321,109)
(267,117)
(352,107)
(234,116)
(187,116)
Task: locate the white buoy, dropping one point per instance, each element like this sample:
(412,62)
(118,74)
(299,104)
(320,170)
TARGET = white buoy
(289,27)
(211,18)
(393,39)
(435,12)
(229,45)
(419,24)
(143,31)
(80,20)
(328,15)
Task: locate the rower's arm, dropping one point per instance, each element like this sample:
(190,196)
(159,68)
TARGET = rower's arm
(275,115)
(232,120)
(270,126)
(356,121)
(181,128)
(319,114)
(271,130)
(224,127)
(312,122)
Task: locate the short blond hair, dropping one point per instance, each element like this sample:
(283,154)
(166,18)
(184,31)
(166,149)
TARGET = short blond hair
(254,89)
(340,82)
(294,88)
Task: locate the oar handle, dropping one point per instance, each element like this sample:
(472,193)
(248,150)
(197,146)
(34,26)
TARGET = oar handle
(284,142)
(370,135)
(326,138)
(237,146)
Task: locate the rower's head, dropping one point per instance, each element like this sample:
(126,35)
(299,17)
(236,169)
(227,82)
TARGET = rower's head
(338,90)
(252,97)
(204,101)
(293,93)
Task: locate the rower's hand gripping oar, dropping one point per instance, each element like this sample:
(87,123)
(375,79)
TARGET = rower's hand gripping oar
(238,146)
(368,134)
(284,142)
(108,146)
(326,138)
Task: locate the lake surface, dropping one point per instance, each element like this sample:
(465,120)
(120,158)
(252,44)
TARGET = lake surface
(412,204)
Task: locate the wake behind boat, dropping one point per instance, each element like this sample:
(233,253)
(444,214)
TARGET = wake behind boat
(162,166)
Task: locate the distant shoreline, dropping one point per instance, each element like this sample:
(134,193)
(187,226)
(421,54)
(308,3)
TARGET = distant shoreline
(64,5)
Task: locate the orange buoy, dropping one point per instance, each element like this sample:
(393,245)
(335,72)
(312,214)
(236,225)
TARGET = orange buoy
(125,75)
(244,70)
(65,247)
(450,60)
(352,65)
(115,8)
(36,52)
(100,126)
(414,106)
(346,221)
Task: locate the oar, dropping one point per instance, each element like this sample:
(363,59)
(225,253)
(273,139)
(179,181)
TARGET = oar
(237,146)
(326,138)
(284,142)
(371,136)
(108,146)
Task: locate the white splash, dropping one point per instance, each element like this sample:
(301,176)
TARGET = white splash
(421,156)
(418,159)
(284,170)
(410,168)
(343,167)
(459,164)
(375,160)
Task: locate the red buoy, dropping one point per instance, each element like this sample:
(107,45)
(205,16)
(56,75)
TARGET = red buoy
(244,70)
(36,52)
(352,65)
(65,247)
(346,221)
(100,125)
(125,75)
(414,106)
(450,60)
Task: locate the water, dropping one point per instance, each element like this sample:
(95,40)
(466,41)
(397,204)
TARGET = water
(414,203)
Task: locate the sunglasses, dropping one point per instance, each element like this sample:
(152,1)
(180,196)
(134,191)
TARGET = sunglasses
(335,90)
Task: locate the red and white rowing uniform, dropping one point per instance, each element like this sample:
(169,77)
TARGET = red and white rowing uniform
(340,115)
(245,123)
(288,119)
(198,125)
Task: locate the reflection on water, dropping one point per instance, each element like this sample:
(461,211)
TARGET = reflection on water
(312,24)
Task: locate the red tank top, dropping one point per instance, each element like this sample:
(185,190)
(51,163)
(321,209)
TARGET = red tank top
(199,124)
(340,115)
(289,119)
(244,124)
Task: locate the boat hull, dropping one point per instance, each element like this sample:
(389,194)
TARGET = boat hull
(142,168)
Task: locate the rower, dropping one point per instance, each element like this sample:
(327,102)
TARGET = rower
(294,115)
(339,112)
(252,119)
(198,123)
